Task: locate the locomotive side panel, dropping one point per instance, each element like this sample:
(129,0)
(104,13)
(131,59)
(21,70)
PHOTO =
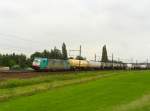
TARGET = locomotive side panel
(55,64)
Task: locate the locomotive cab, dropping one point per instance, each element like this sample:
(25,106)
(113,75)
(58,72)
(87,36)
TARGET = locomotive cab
(40,63)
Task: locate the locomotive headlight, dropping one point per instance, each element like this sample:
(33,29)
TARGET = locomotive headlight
(36,62)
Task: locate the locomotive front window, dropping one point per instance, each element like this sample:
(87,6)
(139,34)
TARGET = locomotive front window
(44,61)
(36,61)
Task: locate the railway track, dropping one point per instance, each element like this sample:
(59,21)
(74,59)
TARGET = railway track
(4,75)
(14,72)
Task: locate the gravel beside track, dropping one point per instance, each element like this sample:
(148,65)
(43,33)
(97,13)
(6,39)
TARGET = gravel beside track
(19,74)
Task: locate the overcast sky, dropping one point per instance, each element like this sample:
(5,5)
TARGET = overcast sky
(32,25)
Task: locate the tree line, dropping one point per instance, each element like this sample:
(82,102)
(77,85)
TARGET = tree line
(53,54)
(15,60)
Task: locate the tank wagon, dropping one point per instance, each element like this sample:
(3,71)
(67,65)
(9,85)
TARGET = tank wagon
(44,64)
(78,64)
(94,65)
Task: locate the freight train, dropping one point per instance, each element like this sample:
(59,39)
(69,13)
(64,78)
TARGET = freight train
(44,64)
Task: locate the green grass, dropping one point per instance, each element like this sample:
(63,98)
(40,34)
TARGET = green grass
(118,91)
(11,83)
(21,87)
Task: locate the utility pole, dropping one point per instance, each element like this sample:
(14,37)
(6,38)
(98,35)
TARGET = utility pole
(80,51)
(147,63)
(119,62)
(132,60)
(95,57)
(136,62)
(113,61)
(80,55)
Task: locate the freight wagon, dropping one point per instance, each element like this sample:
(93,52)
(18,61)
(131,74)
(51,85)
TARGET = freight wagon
(78,64)
(94,65)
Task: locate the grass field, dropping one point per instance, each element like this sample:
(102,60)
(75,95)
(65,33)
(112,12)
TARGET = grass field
(78,91)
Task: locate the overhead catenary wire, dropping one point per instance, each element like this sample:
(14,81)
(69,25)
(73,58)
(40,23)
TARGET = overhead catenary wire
(15,47)
(13,36)
(29,45)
